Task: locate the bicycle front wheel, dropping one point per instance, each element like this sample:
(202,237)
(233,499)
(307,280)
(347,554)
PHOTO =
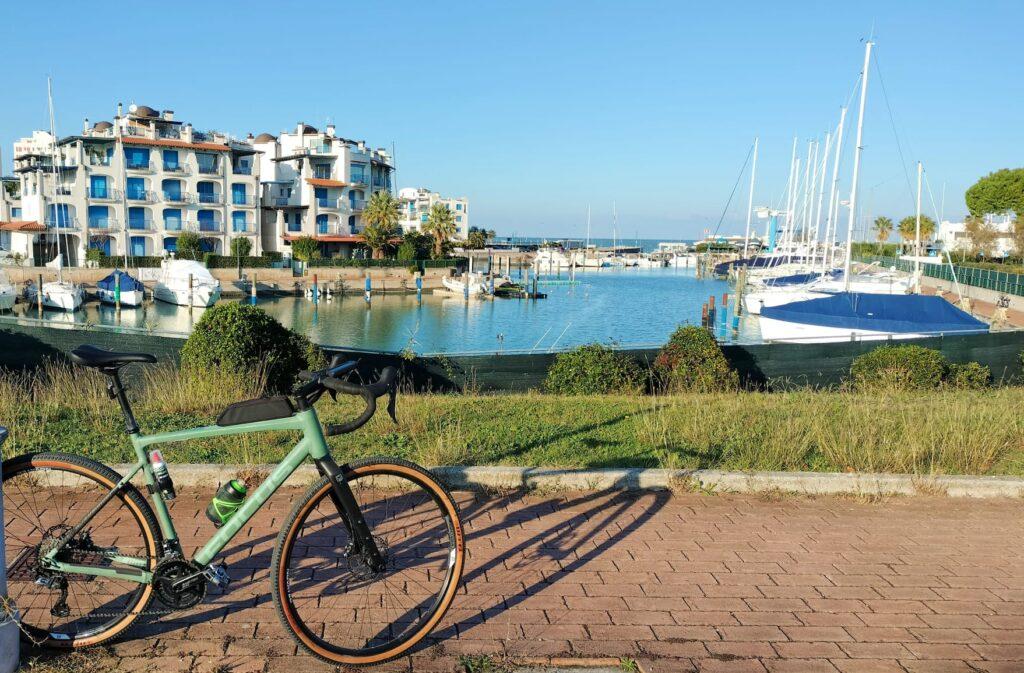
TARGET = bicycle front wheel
(333,603)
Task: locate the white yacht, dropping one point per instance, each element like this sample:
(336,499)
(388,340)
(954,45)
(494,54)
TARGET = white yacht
(58,294)
(478,283)
(174,287)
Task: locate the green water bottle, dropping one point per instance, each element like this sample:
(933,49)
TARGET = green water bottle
(229,498)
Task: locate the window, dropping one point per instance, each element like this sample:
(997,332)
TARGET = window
(172,190)
(322,171)
(15,213)
(5,240)
(423,217)
(171,160)
(138,246)
(206,220)
(101,243)
(98,187)
(136,218)
(171,244)
(172,221)
(458,218)
(99,217)
(136,189)
(359,173)
(238,196)
(238,221)
(59,215)
(458,206)
(136,157)
(207,162)
(321,224)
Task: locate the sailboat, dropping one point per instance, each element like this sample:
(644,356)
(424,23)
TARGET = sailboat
(120,287)
(59,294)
(186,283)
(853,313)
(8,293)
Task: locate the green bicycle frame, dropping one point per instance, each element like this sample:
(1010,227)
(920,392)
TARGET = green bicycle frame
(313,445)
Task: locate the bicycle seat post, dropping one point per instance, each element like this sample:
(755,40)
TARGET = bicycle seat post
(117,391)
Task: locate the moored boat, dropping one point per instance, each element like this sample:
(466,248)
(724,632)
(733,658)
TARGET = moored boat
(186,283)
(120,287)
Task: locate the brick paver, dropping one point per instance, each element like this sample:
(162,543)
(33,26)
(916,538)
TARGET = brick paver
(677,582)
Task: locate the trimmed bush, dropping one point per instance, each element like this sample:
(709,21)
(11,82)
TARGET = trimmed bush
(134,262)
(692,361)
(968,376)
(245,339)
(229,262)
(903,367)
(593,369)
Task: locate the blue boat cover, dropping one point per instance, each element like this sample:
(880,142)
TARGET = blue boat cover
(897,314)
(801,278)
(128,283)
(722,268)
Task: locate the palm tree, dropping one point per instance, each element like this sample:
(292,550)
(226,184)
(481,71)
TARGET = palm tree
(908,228)
(441,225)
(883,229)
(381,215)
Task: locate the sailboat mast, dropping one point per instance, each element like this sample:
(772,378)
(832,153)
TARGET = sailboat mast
(831,224)
(615,230)
(858,150)
(588,227)
(821,197)
(750,201)
(55,159)
(917,228)
(793,168)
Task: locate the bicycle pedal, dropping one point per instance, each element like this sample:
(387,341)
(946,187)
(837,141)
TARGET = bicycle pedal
(217,575)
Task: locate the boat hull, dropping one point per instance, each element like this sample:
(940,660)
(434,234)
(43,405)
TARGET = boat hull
(792,332)
(59,296)
(128,297)
(8,295)
(201,296)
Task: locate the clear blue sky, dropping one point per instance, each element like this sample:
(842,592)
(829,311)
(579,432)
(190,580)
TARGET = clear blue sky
(535,109)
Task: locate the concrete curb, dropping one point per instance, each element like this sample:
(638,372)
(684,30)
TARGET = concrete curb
(638,479)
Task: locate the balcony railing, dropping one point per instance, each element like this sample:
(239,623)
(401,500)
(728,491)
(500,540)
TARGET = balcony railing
(140,166)
(205,227)
(178,169)
(209,170)
(357,204)
(359,179)
(208,198)
(105,195)
(241,170)
(138,131)
(178,197)
(104,224)
(173,225)
(321,149)
(329,204)
(69,223)
(322,175)
(141,197)
(98,160)
(281,201)
(145,224)
(246,229)
(168,132)
(243,200)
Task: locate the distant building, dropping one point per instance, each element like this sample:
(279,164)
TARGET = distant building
(415,204)
(953,235)
(316,183)
(131,186)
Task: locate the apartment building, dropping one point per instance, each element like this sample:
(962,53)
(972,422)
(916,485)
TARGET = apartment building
(953,235)
(10,211)
(132,186)
(316,183)
(415,204)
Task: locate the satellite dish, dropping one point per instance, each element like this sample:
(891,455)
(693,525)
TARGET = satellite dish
(133,108)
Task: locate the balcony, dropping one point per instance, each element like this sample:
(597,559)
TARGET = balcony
(359,179)
(283,201)
(358,204)
(100,225)
(177,169)
(248,229)
(207,198)
(321,149)
(329,204)
(62,223)
(104,195)
(209,170)
(172,132)
(141,197)
(241,170)
(98,160)
(205,227)
(178,197)
(140,166)
(244,201)
(141,225)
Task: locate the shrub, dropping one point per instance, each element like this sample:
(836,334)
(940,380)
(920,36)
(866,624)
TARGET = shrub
(593,369)
(968,376)
(903,367)
(305,249)
(240,246)
(188,246)
(693,361)
(245,339)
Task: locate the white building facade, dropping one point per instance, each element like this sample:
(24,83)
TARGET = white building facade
(316,184)
(953,235)
(415,204)
(131,187)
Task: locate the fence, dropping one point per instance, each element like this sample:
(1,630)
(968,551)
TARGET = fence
(989,279)
(765,366)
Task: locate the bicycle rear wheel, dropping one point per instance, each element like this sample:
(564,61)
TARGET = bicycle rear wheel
(45,496)
(334,605)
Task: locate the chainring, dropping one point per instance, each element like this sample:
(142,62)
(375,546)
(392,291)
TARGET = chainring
(185,596)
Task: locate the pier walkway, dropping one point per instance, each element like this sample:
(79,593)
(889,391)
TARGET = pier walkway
(684,582)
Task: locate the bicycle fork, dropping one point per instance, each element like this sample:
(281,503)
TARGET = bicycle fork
(362,541)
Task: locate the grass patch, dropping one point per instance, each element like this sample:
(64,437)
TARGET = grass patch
(941,431)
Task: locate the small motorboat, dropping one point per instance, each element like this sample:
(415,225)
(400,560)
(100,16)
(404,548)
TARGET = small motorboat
(120,287)
(186,283)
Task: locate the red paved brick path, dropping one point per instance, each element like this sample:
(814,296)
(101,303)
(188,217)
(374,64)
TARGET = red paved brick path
(680,583)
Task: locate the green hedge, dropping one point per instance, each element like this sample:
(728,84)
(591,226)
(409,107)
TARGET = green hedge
(133,262)
(213,261)
(341,262)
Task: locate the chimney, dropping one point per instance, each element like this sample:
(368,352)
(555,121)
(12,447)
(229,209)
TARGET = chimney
(330,130)
(298,129)
(85,126)
(120,111)
(169,115)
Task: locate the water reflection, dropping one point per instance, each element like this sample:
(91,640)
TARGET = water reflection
(629,307)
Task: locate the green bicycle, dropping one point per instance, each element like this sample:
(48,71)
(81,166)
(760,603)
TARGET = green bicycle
(365,566)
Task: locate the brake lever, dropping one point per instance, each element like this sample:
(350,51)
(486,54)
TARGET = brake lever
(392,395)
